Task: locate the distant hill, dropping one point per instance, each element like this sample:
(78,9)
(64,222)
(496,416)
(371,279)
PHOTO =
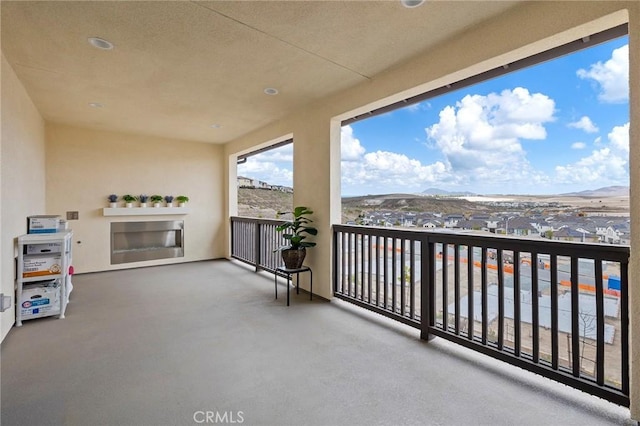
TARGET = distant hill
(437,191)
(607,191)
(262,203)
(352,206)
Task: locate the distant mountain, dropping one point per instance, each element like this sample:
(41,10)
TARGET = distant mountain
(436,191)
(607,191)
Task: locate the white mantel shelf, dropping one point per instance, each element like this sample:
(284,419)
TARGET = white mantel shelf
(144,211)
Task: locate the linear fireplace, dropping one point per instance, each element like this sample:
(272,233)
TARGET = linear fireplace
(138,241)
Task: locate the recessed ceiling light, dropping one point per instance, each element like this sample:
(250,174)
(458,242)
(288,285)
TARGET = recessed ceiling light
(271,91)
(95,105)
(100,43)
(411,3)
(215,126)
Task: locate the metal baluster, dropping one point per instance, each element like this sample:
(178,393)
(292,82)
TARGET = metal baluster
(500,264)
(535,318)
(484,295)
(600,318)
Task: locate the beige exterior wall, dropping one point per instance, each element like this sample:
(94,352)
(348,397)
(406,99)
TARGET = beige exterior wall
(519,33)
(634,168)
(85,166)
(22,177)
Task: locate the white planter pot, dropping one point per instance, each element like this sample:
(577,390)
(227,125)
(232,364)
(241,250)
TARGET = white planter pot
(143,204)
(156,204)
(181,204)
(129,205)
(169,204)
(113,205)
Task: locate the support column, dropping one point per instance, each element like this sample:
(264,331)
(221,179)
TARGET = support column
(634,171)
(316,164)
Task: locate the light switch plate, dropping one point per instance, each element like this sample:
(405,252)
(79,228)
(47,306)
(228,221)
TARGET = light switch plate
(5,302)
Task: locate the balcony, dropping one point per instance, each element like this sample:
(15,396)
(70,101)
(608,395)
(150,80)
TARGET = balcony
(172,344)
(554,308)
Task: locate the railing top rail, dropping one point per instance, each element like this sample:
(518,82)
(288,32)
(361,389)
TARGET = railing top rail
(618,253)
(256,220)
(381,231)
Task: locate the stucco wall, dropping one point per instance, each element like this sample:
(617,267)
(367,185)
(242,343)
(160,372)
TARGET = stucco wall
(634,169)
(22,176)
(84,166)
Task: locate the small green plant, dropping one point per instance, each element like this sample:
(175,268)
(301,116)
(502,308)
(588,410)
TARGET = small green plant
(182,198)
(156,198)
(294,230)
(129,198)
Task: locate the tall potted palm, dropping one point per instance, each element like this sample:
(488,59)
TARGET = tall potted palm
(295,232)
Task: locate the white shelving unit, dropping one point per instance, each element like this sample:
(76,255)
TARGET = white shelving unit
(38,261)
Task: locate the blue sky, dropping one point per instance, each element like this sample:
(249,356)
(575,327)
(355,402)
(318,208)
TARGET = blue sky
(561,126)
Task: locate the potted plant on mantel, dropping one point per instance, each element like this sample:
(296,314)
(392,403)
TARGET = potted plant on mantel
(294,231)
(182,199)
(143,200)
(113,201)
(156,200)
(129,199)
(169,200)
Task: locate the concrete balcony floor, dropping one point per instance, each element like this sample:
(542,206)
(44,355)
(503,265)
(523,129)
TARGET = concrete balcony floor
(165,345)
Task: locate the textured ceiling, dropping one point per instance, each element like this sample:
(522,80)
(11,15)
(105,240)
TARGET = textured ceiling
(180,66)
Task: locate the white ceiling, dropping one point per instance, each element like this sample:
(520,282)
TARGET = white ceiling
(180,66)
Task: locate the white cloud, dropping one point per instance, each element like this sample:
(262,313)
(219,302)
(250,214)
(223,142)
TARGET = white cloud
(384,171)
(480,135)
(278,155)
(267,171)
(602,166)
(419,106)
(350,147)
(619,138)
(585,124)
(578,145)
(606,166)
(273,166)
(612,76)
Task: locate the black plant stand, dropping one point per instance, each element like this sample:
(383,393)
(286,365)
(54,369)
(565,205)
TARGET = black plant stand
(287,273)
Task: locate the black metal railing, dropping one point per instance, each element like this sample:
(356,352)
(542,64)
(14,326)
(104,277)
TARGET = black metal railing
(555,308)
(253,241)
(379,270)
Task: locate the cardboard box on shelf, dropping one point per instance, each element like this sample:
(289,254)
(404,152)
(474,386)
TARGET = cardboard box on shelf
(43,248)
(40,299)
(41,266)
(43,224)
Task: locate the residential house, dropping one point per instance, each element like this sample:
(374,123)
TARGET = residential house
(245,182)
(451,221)
(431,224)
(472,225)
(567,234)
